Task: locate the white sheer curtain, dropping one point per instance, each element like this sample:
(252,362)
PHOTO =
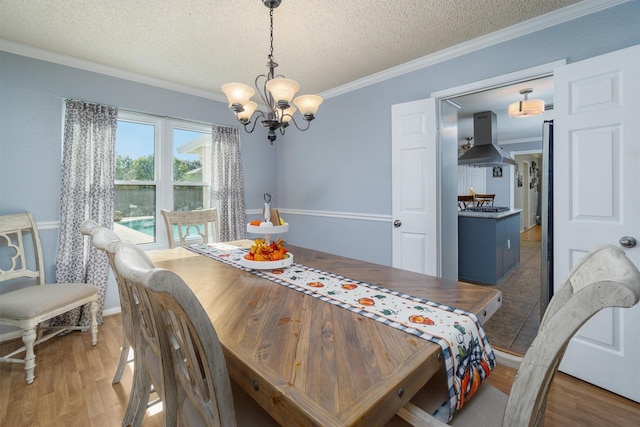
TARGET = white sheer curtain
(88,192)
(227,189)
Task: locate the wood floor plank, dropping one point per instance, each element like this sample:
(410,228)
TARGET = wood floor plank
(46,407)
(575,403)
(64,395)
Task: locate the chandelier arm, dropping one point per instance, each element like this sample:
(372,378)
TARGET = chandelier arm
(293,119)
(263,91)
(254,119)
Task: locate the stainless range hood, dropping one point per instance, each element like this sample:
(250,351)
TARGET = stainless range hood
(485,151)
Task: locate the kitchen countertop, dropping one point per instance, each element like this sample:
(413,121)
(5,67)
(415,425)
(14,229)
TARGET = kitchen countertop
(491,215)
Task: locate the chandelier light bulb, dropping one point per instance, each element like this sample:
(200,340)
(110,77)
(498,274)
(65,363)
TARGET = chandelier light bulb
(308,104)
(283,90)
(238,94)
(248,109)
(287,114)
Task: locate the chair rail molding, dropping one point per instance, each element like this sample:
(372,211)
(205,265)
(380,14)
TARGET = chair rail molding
(329,214)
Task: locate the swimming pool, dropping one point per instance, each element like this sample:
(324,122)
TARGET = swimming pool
(143,224)
(147,225)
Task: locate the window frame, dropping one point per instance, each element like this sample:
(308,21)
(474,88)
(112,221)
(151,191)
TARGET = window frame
(163,165)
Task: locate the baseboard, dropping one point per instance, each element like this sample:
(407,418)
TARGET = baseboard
(111,311)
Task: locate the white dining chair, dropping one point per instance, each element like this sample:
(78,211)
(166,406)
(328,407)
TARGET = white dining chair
(197,388)
(147,363)
(132,320)
(605,277)
(26,301)
(103,238)
(197,226)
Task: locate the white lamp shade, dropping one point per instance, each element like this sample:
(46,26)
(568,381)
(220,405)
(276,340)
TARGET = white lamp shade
(308,104)
(238,93)
(282,89)
(288,113)
(249,108)
(528,107)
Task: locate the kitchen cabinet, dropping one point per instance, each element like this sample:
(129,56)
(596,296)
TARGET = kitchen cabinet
(488,246)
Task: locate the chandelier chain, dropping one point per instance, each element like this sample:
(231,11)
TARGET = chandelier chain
(271,34)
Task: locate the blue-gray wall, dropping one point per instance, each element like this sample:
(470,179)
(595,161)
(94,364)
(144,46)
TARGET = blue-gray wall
(344,163)
(333,182)
(31,122)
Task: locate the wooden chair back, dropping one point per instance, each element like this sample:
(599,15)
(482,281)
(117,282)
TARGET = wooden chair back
(465,201)
(14,229)
(106,240)
(484,199)
(197,226)
(195,375)
(605,277)
(148,355)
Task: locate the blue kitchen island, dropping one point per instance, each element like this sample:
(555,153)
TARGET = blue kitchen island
(488,245)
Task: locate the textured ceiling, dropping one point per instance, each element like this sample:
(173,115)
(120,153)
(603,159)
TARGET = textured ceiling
(205,43)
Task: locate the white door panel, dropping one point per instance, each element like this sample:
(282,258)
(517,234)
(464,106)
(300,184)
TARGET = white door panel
(414,186)
(471,176)
(415,244)
(596,177)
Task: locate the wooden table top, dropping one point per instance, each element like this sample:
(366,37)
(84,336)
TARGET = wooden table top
(311,363)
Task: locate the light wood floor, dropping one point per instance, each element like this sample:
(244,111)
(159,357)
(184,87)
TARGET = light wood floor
(73,383)
(73,388)
(534,234)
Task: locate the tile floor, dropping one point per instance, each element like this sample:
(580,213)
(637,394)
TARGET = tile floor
(515,324)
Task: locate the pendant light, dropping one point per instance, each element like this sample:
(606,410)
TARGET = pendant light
(527,107)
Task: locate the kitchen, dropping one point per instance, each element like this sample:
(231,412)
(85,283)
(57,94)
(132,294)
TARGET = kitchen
(503,248)
(488,234)
(500,156)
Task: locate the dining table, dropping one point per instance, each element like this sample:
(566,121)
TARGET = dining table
(310,362)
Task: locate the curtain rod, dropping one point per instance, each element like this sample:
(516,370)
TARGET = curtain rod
(178,118)
(162,116)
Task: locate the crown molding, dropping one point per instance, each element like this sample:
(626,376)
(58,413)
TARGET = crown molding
(70,61)
(541,22)
(550,19)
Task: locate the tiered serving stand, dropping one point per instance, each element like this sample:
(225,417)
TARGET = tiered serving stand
(267,231)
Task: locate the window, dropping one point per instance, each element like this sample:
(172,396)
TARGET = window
(160,164)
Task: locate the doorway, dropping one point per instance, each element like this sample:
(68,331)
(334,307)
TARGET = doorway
(515,325)
(523,192)
(495,95)
(527,191)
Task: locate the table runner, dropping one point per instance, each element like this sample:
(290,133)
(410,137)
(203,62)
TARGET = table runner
(467,353)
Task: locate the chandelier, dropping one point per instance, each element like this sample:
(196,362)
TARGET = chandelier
(276,92)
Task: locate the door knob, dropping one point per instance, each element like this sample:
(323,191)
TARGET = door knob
(397,223)
(628,241)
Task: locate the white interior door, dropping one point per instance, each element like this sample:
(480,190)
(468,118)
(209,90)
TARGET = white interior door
(414,186)
(471,176)
(596,177)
